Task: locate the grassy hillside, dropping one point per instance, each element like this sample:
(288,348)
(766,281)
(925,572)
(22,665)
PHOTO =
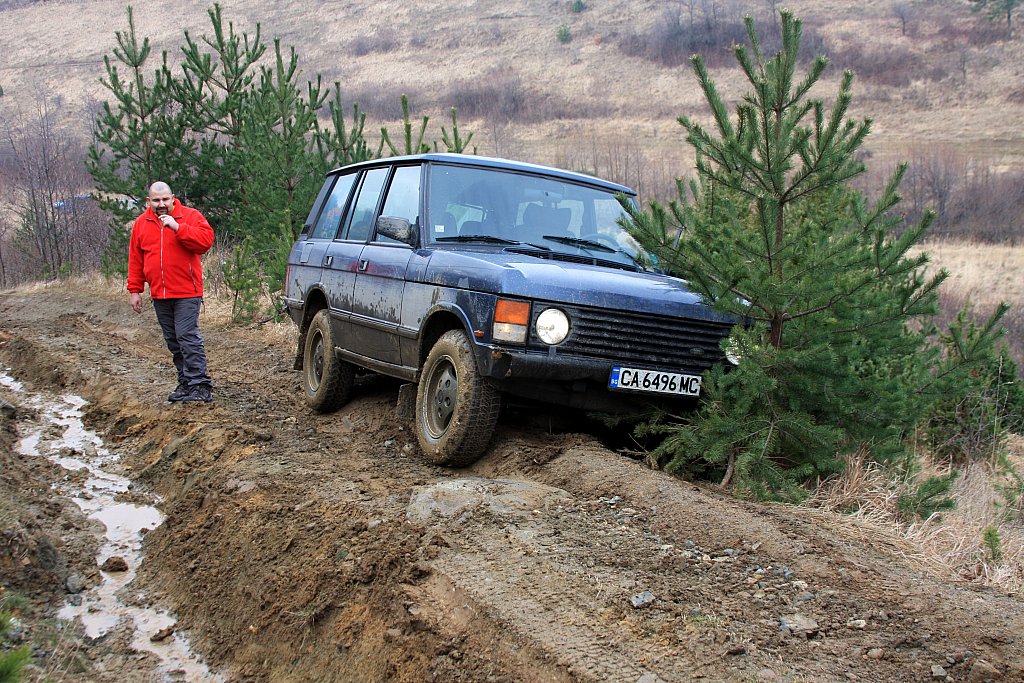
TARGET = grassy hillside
(618,83)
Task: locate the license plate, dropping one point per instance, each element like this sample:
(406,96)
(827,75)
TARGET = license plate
(654,381)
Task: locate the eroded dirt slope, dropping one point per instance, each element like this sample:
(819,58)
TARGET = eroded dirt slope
(300,547)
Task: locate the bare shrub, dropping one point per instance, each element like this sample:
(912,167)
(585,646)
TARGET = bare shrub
(384,40)
(676,36)
(56,229)
(988,207)
(889,64)
(381,102)
(503,94)
(710,29)
(650,173)
(934,178)
(953,31)
(500,93)
(972,202)
(905,14)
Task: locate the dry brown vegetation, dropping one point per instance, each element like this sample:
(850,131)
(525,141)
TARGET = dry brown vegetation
(941,74)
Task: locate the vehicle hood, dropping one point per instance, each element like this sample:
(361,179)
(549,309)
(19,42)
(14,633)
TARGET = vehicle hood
(520,275)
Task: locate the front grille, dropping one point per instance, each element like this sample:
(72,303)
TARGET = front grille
(642,338)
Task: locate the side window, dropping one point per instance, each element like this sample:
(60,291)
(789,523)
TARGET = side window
(307,227)
(327,224)
(360,218)
(403,200)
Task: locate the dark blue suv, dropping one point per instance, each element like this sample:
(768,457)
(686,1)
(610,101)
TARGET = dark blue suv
(474,278)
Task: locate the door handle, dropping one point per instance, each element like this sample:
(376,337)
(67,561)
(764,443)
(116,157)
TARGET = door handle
(328,260)
(363,265)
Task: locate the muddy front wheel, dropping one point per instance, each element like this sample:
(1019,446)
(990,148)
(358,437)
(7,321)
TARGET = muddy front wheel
(456,409)
(326,378)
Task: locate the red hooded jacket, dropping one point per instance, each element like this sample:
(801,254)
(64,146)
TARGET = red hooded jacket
(168,260)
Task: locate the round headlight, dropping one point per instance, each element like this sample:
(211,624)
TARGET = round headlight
(552,326)
(732,351)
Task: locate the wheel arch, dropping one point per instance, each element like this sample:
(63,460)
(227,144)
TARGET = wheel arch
(315,301)
(437,322)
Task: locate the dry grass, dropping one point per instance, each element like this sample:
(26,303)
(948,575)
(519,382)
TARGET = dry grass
(983,275)
(951,544)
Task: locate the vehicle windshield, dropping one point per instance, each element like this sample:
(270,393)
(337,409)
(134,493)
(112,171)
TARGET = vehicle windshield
(506,208)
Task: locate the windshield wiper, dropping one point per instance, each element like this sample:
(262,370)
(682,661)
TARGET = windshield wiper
(475,238)
(591,244)
(577,242)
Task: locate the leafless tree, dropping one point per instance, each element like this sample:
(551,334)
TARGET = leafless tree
(905,13)
(57,226)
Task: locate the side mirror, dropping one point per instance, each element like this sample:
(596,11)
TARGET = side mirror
(397,229)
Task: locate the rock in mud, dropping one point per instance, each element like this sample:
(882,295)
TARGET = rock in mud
(452,498)
(641,600)
(74,583)
(798,625)
(163,634)
(115,564)
(982,670)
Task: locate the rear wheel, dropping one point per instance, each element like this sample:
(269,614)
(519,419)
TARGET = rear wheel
(456,409)
(326,378)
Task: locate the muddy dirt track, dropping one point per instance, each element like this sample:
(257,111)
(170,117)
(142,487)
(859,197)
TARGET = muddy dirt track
(300,547)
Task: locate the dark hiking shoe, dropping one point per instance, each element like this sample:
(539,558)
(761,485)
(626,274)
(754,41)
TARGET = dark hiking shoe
(199,393)
(179,394)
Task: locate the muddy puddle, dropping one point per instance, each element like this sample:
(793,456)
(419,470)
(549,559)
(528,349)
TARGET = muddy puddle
(56,432)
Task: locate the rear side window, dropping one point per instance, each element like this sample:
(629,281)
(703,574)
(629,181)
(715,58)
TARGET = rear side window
(330,218)
(360,220)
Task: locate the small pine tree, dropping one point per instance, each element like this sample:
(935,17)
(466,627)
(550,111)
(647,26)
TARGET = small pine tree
(409,146)
(930,497)
(994,544)
(454,142)
(970,420)
(837,352)
(281,168)
(242,276)
(137,139)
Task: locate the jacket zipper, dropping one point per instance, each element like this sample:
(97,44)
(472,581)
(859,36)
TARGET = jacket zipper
(163,279)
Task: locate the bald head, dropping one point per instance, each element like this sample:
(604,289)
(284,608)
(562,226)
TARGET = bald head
(159,186)
(160,198)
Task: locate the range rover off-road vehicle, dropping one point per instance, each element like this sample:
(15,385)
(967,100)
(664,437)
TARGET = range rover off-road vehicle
(474,279)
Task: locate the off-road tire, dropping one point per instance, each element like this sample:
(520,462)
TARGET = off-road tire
(326,378)
(456,409)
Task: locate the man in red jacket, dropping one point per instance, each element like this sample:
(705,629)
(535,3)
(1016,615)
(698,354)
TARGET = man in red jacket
(166,242)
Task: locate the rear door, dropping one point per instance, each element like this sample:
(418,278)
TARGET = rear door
(307,256)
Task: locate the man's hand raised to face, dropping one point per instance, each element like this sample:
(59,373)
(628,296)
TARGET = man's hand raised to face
(169,222)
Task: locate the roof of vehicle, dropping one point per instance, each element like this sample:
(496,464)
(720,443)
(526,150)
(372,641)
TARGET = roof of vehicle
(495,163)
